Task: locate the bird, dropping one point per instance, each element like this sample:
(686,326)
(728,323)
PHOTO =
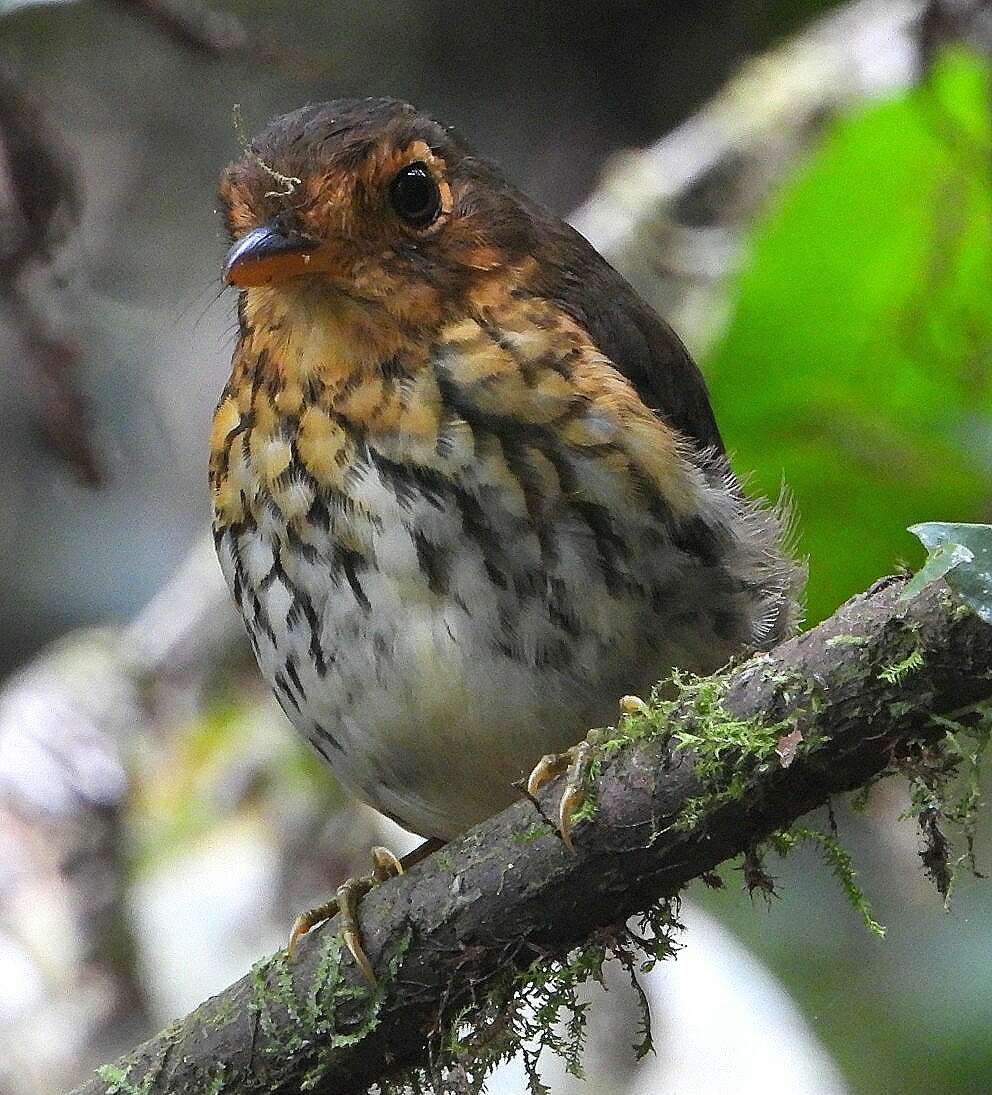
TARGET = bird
(468,487)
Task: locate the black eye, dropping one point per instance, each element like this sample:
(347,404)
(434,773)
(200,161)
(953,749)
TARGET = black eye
(415,195)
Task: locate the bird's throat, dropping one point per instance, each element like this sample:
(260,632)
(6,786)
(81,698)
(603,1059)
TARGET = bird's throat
(314,332)
(319,380)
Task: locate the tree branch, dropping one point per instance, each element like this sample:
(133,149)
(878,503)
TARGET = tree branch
(502,895)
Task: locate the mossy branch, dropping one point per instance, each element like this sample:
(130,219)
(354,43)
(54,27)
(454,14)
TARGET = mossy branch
(693,782)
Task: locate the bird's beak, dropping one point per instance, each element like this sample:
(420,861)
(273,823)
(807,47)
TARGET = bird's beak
(267,254)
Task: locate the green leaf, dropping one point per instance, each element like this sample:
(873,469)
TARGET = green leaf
(938,563)
(961,554)
(857,363)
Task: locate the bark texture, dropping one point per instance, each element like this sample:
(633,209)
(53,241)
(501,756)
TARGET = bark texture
(501,895)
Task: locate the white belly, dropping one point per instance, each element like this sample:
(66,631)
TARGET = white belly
(437,673)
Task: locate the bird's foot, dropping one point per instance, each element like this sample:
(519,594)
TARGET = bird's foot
(578,762)
(345,901)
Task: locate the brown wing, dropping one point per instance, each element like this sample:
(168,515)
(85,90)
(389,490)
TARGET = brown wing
(638,342)
(653,358)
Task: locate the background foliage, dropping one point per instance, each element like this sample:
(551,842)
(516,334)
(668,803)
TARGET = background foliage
(857,361)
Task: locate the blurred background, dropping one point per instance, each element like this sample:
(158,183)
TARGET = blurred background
(803,188)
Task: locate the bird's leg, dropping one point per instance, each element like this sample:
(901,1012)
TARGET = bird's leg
(385,865)
(345,901)
(578,762)
(419,854)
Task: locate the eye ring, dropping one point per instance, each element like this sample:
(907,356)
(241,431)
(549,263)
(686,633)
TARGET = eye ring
(415,196)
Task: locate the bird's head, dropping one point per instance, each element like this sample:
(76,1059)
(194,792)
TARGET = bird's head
(371,203)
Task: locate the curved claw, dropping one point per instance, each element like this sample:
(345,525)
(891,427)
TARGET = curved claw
(546,769)
(348,896)
(571,802)
(633,705)
(574,796)
(578,762)
(305,921)
(385,865)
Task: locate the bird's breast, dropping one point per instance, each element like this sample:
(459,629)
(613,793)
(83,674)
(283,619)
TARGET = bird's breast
(469,560)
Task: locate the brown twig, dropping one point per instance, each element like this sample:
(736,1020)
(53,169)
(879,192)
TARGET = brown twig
(39,206)
(196,27)
(208,32)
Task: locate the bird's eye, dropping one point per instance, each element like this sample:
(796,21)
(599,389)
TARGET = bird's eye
(415,196)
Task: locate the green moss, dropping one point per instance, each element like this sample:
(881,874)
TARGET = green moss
(118,1083)
(945,779)
(840,862)
(224,1014)
(687,710)
(315,1025)
(535,832)
(217,1081)
(539,1010)
(728,750)
(118,1077)
(590,804)
(897,671)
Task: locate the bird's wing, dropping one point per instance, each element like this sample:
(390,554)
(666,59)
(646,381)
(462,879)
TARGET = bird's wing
(641,346)
(645,350)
